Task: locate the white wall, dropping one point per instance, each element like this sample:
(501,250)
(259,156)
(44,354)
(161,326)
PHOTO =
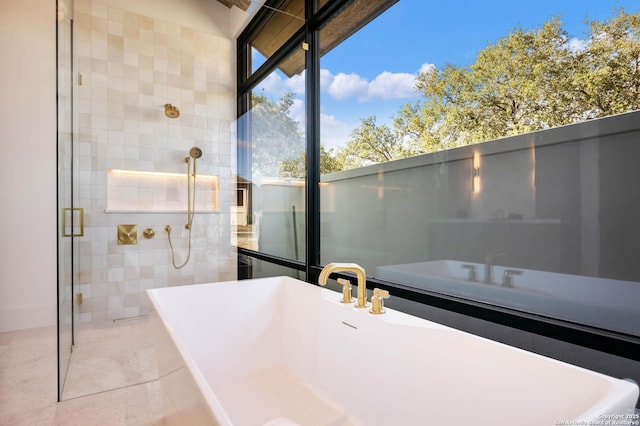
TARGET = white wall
(27,164)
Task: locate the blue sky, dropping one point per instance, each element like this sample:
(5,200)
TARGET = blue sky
(372,72)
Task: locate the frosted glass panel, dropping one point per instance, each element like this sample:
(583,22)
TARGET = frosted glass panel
(544,222)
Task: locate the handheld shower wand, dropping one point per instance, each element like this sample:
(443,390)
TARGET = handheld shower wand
(194,154)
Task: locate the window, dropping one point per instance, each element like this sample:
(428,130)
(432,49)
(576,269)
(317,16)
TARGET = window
(484,180)
(273,133)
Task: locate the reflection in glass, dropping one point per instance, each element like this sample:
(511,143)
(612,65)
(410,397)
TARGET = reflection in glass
(262,269)
(270,194)
(538,221)
(550,229)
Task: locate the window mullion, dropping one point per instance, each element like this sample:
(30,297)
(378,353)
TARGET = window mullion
(312,193)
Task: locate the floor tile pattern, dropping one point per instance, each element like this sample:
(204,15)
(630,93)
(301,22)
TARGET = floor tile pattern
(115,362)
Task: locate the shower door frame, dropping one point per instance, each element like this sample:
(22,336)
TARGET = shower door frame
(69,224)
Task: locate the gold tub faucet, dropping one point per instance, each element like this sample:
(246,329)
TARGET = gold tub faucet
(347,267)
(377,303)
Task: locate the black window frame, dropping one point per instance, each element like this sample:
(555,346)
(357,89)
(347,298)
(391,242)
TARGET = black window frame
(614,343)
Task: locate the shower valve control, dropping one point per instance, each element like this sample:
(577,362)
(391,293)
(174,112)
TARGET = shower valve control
(127,235)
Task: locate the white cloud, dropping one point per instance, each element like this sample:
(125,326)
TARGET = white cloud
(577,45)
(274,84)
(334,133)
(297,112)
(296,84)
(390,85)
(386,85)
(326,78)
(427,68)
(348,85)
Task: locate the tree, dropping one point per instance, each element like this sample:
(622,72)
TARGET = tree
(511,88)
(330,162)
(371,143)
(526,81)
(275,136)
(607,78)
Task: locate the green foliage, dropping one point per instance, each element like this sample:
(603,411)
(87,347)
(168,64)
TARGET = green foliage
(275,136)
(278,142)
(607,77)
(330,162)
(529,80)
(511,88)
(371,144)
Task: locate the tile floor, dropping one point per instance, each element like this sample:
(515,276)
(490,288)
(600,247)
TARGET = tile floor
(122,379)
(110,355)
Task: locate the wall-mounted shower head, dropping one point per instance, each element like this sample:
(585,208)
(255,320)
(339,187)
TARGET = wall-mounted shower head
(195,152)
(171,111)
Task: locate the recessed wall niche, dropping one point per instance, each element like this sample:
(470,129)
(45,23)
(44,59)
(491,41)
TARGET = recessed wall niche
(158,192)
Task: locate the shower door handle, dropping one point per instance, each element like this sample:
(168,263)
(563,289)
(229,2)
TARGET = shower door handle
(72,213)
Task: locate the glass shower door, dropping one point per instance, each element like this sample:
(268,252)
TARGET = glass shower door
(70,218)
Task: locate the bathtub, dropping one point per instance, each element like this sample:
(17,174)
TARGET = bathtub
(278,351)
(599,302)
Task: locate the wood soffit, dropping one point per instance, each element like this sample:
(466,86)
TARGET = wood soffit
(242,4)
(282,26)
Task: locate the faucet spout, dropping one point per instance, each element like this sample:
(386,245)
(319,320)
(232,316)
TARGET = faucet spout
(347,267)
(488,264)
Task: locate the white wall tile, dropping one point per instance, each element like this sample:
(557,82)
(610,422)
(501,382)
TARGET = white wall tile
(135,64)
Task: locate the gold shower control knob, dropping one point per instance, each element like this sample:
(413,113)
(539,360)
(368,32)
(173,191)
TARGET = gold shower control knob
(127,234)
(148,233)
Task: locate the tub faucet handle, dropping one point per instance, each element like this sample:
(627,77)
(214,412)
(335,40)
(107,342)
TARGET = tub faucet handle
(377,304)
(472,272)
(507,279)
(346,291)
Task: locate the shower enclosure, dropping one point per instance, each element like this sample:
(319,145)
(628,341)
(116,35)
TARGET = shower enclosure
(138,91)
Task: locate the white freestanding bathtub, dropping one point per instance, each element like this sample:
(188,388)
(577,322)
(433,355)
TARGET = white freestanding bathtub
(278,351)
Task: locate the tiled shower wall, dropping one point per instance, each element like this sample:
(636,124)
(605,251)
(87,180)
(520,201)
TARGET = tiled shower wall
(130,66)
